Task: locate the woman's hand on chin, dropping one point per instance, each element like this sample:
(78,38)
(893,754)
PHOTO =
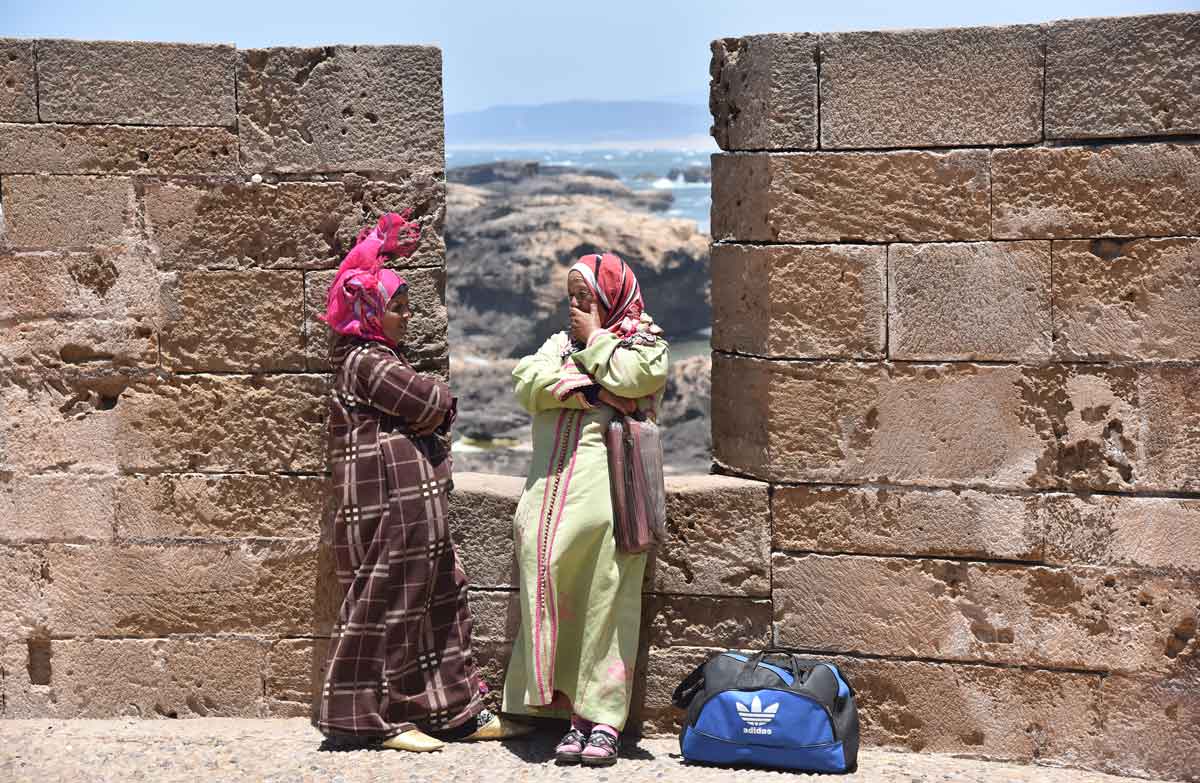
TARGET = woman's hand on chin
(623,404)
(584,323)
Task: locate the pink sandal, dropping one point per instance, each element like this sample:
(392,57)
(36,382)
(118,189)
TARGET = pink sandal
(601,748)
(570,747)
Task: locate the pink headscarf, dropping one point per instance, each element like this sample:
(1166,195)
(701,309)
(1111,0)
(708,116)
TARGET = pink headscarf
(616,288)
(362,288)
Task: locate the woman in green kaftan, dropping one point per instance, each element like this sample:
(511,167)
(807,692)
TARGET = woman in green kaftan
(581,599)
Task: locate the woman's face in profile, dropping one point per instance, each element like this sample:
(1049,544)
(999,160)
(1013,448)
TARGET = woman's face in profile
(396,317)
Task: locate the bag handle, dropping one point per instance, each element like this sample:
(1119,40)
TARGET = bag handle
(687,690)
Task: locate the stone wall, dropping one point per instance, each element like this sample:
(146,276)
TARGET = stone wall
(956,291)
(171,217)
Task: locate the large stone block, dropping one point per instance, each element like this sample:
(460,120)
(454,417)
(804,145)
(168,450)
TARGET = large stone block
(293,676)
(1078,618)
(235,423)
(1136,300)
(895,521)
(102,212)
(1077,192)
(424,346)
(1001,713)
(651,712)
(146,590)
(1125,531)
(1151,724)
(799,301)
(234,321)
(1168,456)
(142,678)
(1124,76)
(697,621)
(234,224)
(719,538)
(219,506)
(963,301)
(18,83)
(851,197)
(932,88)
(109,283)
(482,507)
(102,149)
(147,424)
(819,422)
(74,353)
(136,83)
(341,108)
(23,581)
(56,507)
(763,92)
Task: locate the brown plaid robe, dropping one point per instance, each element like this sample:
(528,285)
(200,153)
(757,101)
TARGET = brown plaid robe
(400,656)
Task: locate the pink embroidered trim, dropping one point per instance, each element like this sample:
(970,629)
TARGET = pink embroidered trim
(538,597)
(554,534)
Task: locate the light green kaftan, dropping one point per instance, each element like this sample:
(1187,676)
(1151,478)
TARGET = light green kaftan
(581,600)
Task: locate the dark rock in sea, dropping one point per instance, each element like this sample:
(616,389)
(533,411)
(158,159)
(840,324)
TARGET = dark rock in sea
(695,173)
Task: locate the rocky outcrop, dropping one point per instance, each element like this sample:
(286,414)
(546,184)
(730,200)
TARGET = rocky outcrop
(512,237)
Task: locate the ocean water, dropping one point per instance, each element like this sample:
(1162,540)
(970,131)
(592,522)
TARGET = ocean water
(639,169)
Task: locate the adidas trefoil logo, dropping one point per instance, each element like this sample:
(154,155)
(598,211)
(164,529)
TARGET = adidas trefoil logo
(756,717)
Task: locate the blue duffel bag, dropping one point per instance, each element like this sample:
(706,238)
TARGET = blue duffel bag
(770,709)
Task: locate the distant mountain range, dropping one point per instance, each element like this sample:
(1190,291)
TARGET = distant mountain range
(578,122)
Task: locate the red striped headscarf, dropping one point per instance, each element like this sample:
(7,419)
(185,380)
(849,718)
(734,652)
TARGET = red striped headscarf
(362,288)
(615,287)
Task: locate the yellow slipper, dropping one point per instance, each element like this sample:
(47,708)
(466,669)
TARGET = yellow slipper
(499,729)
(414,741)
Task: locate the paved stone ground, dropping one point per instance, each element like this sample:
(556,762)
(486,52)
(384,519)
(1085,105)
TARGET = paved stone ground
(228,749)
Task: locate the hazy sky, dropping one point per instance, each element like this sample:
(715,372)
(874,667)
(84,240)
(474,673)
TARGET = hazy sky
(532,52)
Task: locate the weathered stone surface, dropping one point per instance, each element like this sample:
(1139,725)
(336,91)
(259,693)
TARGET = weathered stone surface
(932,88)
(56,507)
(101,212)
(763,92)
(1079,618)
(107,283)
(144,678)
(219,506)
(962,301)
(719,538)
(136,83)
(425,344)
(236,423)
(234,224)
(144,590)
(1077,192)
(1050,717)
(660,672)
(97,149)
(802,301)
(482,507)
(341,108)
(851,196)
(1125,531)
(293,675)
(696,621)
(22,593)
(1096,420)
(35,354)
(902,424)
(1123,76)
(497,616)
(234,321)
(1169,439)
(893,521)
(1151,724)
(18,85)
(1133,300)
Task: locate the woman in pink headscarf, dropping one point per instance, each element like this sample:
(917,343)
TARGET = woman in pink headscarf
(581,598)
(399,667)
